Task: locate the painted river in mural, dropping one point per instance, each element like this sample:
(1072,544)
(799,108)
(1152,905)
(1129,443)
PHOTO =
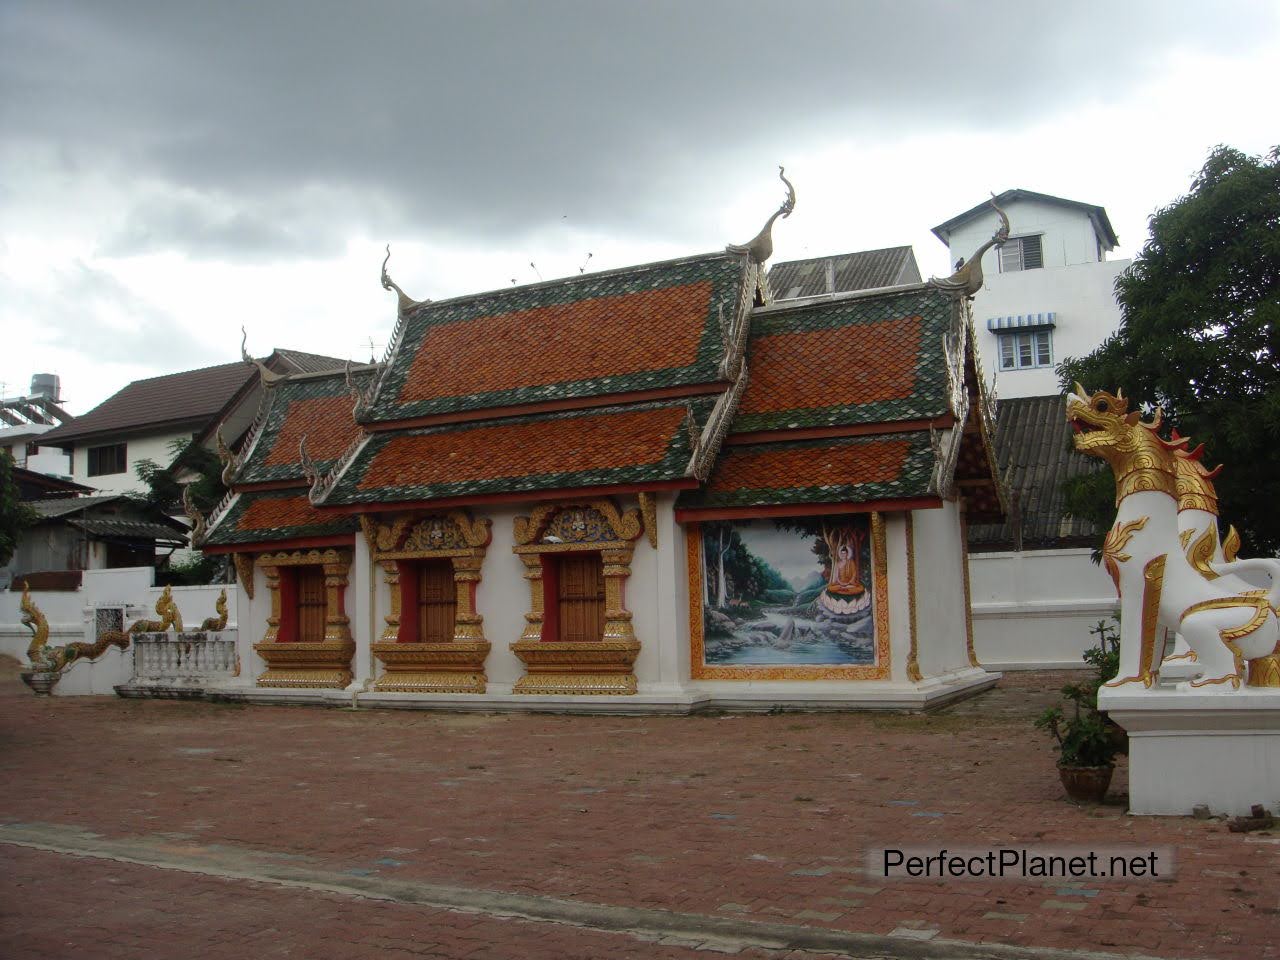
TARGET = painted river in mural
(787,592)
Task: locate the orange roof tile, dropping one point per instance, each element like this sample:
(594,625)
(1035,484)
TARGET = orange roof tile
(599,337)
(748,468)
(325,421)
(271,512)
(564,445)
(836,366)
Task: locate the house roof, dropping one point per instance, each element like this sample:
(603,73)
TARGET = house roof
(33,485)
(844,470)
(1035,455)
(859,359)
(635,444)
(275,515)
(1101,222)
(844,273)
(637,329)
(190,397)
(126,518)
(316,407)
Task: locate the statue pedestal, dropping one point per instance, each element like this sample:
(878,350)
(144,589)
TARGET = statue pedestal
(1187,749)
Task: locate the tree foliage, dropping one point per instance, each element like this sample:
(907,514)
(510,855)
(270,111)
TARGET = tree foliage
(1200,337)
(15,516)
(163,489)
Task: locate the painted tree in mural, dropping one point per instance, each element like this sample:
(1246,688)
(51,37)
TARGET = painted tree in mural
(739,576)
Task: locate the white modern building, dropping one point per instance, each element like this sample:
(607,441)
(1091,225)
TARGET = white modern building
(1048,293)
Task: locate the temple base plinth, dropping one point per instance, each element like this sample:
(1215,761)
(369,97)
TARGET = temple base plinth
(325,664)
(453,667)
(573,668)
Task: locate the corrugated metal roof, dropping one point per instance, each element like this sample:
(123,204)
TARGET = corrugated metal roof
(129,529)
(1035,454)
(60,507)
(844,273)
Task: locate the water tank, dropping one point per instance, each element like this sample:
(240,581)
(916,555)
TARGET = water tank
(47,385)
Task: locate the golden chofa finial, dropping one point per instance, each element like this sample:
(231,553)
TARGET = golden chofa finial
(405,303)
(967,279)
(760,248)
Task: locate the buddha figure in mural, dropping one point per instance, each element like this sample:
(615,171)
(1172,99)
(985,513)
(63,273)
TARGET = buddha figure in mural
(844,593)
(1171,578)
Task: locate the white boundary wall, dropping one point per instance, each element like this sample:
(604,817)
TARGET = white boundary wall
(71,616)
(1033,609)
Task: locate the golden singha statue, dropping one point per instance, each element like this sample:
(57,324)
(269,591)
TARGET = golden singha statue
(1170,571)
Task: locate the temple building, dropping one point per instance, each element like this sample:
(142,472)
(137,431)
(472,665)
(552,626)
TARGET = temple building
(652,488)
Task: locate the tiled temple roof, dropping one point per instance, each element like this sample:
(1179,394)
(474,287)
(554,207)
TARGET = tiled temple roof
(844,470)
(849,361)
(642,328)
(273,515)
(317,407)
(634,444)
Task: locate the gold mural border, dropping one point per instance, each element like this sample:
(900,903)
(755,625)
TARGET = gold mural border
(880,670)
(968,593)
(913,654)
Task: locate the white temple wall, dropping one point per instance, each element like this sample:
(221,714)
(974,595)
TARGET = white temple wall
(895,536)
(503,597)
(1032,609)
(941,638)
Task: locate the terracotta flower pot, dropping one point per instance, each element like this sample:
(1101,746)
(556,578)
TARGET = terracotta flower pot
(1086,783)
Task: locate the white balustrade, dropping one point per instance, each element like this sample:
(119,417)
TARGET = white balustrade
(161,657)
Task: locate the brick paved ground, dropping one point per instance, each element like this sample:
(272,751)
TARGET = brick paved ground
(753,818)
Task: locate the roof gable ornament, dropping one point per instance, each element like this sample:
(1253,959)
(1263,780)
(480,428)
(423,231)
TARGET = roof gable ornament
(362,397)
(405,302)
(198,524)
(310,471)
(967,279)
(760,248)
(228,459)
(269,378)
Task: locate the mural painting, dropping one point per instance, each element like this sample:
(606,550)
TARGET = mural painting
(794,591)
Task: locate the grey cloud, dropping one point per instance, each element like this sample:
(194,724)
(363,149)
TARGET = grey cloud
(489,119)
(85,314)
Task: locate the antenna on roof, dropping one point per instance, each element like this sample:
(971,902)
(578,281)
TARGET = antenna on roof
(583,268)
(372,347)
(535,270)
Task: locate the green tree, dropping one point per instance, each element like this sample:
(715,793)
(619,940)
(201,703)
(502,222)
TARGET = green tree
(1200,337)
(163,489)
(15,516)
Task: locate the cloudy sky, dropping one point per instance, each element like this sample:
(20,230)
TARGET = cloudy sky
(171,171)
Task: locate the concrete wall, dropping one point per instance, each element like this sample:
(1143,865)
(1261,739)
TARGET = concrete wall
(1067,235)
(141,447)
(1033,609)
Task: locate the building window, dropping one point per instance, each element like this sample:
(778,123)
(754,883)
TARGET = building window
(580,597)
(311,604)
(437,601)
(1020,351)
(1021,253)
(109,459)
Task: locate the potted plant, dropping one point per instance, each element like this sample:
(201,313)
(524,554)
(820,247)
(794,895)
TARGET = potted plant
(1087,739)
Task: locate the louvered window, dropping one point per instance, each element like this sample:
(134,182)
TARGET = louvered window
(581,597)
(311,604)
(437,601)
(1021,253)
(1019,351)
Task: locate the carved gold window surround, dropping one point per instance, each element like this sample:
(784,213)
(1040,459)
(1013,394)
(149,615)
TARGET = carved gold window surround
(291,663)
(554,666)
(455,666)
